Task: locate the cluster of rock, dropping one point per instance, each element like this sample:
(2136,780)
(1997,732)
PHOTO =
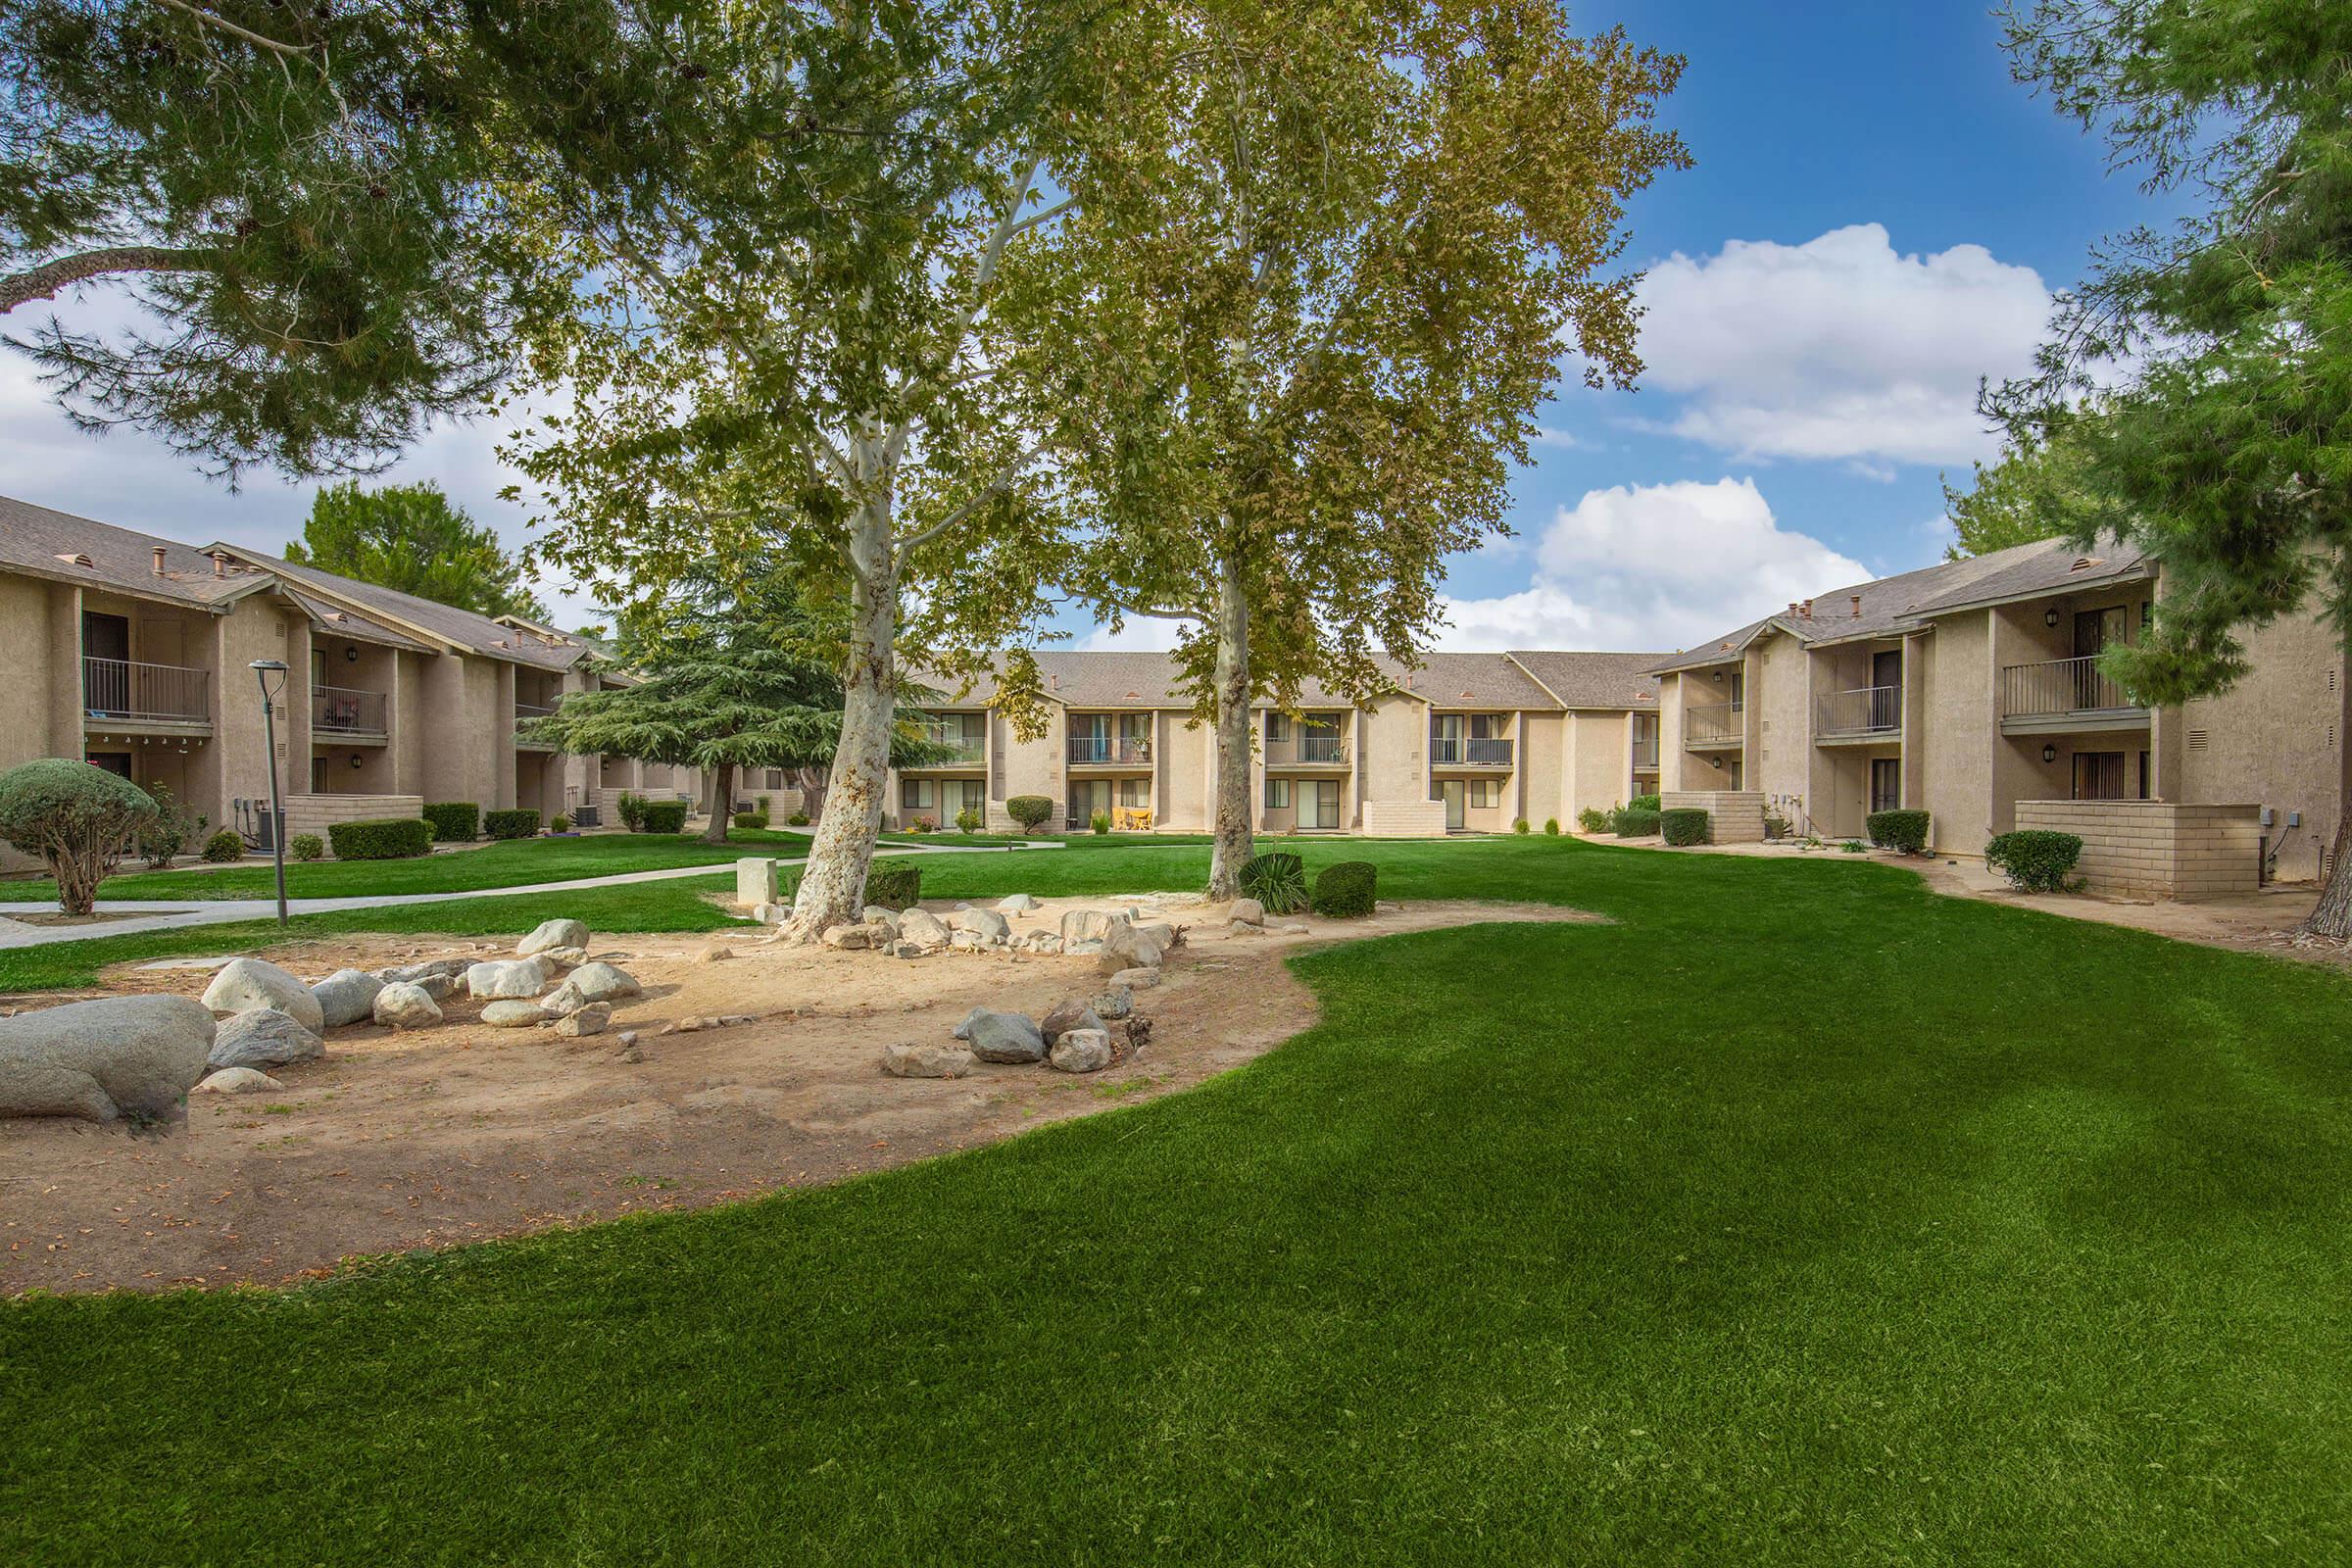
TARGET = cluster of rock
(137,1056)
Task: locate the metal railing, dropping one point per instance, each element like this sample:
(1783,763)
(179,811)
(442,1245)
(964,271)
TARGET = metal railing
(1859,710)
(963,746)
(523,711)
(347,711)
(1109,748)
(119,688)
(1473,751)
(1646,754)
(1306,748)
(1713,722)
(2059,686)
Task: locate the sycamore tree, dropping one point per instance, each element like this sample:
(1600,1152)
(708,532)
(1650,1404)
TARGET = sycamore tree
(1325,258)
(2205,373)
(413,538)
(816,365)
(288,222)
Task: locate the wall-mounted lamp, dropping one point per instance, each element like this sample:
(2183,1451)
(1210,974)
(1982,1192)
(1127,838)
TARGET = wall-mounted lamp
(351,653)
(1719,677)
(2049,753)
(356,760)
(2050,618)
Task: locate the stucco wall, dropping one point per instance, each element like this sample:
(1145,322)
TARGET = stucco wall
(1780,721)
(2275,739)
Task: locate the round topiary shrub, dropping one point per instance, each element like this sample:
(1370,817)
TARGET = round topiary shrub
(306,847)
(1276,879)
(1029,810)
(1906,831)
(2034,859)
(78,819)
(1685,827)
(1346,890)
(1552,828)
(223,847)
(1519,825)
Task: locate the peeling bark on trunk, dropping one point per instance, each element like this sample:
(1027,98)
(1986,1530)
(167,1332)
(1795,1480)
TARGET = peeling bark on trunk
(833,884)
(1233,844)
(723,803)
(2331,917)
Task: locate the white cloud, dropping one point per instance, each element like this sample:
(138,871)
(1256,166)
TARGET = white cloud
(1653,567)
(1839,348)
(133,481)
(1139,634)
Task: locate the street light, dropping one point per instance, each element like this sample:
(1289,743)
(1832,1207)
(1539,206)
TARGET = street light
(262,669)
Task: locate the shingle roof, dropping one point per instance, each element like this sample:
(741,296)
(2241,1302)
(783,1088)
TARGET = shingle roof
(46,543)
(470,631)
(1592,680)
(1122,678)
(2050,566)
(353,623)
(1471,680)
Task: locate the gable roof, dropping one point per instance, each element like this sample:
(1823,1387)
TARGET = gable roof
(42,542)
(1591,680)
(462,629)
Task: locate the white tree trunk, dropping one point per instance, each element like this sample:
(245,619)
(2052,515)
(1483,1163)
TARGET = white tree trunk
(1233,844)
(832,888)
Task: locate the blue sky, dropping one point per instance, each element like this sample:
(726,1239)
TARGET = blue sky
(1876,217)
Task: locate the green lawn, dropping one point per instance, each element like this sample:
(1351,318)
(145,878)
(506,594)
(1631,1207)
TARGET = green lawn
(1798,1217)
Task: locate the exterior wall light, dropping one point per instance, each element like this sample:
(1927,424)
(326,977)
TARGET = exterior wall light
(2050,618)
(2049,753)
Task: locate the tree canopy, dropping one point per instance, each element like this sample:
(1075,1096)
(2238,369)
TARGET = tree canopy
(413,538)
(2205,374)
(2032,492)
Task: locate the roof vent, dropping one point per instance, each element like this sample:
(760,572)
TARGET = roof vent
(2200,740)
(1857,603)
(156,561)
(219,562)
(1806,610)
(1138,696)
(76,559)
(2084,564)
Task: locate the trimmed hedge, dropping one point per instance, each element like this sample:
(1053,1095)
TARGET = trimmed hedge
(1645,803)
(1030,810)
(751,820)
(893,884)
(2033,859)
(1906,831)
(223,847)
(1346,889)
(454,822)
(385,838)
(1634,821)
(1686,826)
(306,847)
(519,823)
(662,816)
(1276,879)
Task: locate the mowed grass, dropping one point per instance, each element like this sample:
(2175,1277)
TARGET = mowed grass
(1799,1216)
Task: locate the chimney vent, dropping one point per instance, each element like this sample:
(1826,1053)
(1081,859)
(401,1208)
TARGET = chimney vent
(219,562)
(158,561)
(1791,607)
(1806,610)
(1857,603)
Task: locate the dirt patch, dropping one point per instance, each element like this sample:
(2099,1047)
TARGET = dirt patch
(459,1133)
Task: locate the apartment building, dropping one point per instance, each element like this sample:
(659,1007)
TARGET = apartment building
(1467,743)
(133,652)
(1973,690)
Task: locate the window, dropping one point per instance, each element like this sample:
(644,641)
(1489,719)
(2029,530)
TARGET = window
(918,794)
(2098,775)
(2144,780)
(1278,794)
(1135,793)
(1278,726)
(1486,793)
(1885,783)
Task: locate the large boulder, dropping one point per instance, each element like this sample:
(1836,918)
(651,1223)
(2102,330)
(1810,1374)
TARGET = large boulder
(1018,904)
(431,970)
(1115,1002)
(245,984)
(237,1081)
(601,982)
(1082,1050)
(508,979)
(850,938)
(1065,1016)
(1248,912)
(923,928)
(1088,925)
(986,924)
(1132,947)
(262,1038)
(1135,979)
(585,1020)
(104,1059)
(1003,1036)
(405,1006)
(513,1015)
(554,934)
(562,958)
(926,1061)
(346,997)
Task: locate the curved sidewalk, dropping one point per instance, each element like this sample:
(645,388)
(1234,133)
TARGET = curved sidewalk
(167,914)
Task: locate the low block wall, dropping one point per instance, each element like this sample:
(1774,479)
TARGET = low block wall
(1734,816)
(2157,848)
(1404,819)
(316,813)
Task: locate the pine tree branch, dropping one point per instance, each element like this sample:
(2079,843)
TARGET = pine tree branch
(43,281)
(292,51)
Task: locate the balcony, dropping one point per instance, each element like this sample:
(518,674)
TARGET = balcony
(1859,714)
(525,713)
(1714,726)
(1307,751)
(1646,754)
(1109,751)
(962,748)
(2064,694)
(347,713)
(169,697)
(1468,751)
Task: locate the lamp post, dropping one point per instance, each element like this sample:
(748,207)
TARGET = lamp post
(262,669)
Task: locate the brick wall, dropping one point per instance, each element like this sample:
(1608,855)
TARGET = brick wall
(1404,819)
(1734,816)
(2157,848)
(314,813)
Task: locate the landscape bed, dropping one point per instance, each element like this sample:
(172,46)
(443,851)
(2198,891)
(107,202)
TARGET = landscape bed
(1712,1234)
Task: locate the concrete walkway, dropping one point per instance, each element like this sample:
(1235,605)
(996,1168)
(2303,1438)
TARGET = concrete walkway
(166,914)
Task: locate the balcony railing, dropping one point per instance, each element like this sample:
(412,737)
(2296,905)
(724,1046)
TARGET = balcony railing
(1100,750)
(1469,750)
(1859,710)
(964,747)
(2059,686)
(118,688)
(347,711)
(1713,723)
(1309,749)
(1646,754)
(529,711)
